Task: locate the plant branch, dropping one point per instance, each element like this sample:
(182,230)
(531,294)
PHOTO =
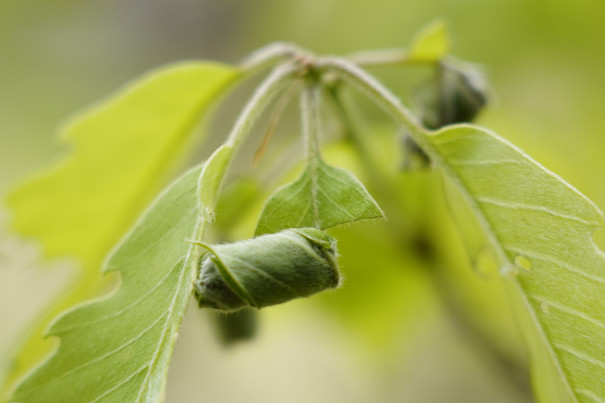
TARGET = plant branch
(272,54)
(387,58)
(310,111)
(264,94)
(378,92)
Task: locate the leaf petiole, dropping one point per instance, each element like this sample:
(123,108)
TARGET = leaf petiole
(310,114)
(386,58)
(277,81)
(272,54)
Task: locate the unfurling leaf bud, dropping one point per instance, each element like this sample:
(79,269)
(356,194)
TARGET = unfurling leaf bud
(267,270)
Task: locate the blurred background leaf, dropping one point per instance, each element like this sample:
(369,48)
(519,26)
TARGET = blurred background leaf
(544,60)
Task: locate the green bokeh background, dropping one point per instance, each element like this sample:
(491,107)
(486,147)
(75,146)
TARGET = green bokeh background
(544,59)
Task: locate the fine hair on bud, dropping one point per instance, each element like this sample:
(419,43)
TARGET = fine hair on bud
(267,270)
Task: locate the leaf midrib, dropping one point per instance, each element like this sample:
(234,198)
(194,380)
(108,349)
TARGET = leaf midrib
(314,168)
(187,263)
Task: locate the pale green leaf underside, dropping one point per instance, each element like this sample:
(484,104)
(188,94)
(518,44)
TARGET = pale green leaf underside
(529,213)
(322,197)
(117,349)
(123,151)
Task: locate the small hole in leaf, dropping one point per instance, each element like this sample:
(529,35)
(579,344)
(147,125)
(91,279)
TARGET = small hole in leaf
(523,263)
(544,307)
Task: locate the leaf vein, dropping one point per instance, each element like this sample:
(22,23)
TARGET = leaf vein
(125,380)
(452,139)
(591,395)
(321,191)
(359,188)
(304,214)
(525,206)
(170,311)
(463,163)
(569,310)
(314,186)
(300,187)
(558,262)
(580,355)
(123,310)
(114,351)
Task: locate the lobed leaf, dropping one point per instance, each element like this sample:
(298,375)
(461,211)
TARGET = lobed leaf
(322,197)
(124,149)
(118,348)
(540,229)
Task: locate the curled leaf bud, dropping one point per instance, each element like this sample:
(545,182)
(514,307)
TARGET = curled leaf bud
(267,270)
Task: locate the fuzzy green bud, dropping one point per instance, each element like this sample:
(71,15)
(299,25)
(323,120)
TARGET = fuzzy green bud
(267,270)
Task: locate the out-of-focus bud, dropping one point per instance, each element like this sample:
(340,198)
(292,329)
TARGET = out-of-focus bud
(456,95)
(235,327)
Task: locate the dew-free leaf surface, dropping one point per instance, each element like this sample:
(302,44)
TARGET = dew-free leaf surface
(322,197)
(540,229)
(117,349)
(123,150)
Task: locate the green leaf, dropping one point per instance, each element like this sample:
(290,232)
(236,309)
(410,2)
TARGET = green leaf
(431,43)
(322,197)
(118,348)
(540,230)
(123,150)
